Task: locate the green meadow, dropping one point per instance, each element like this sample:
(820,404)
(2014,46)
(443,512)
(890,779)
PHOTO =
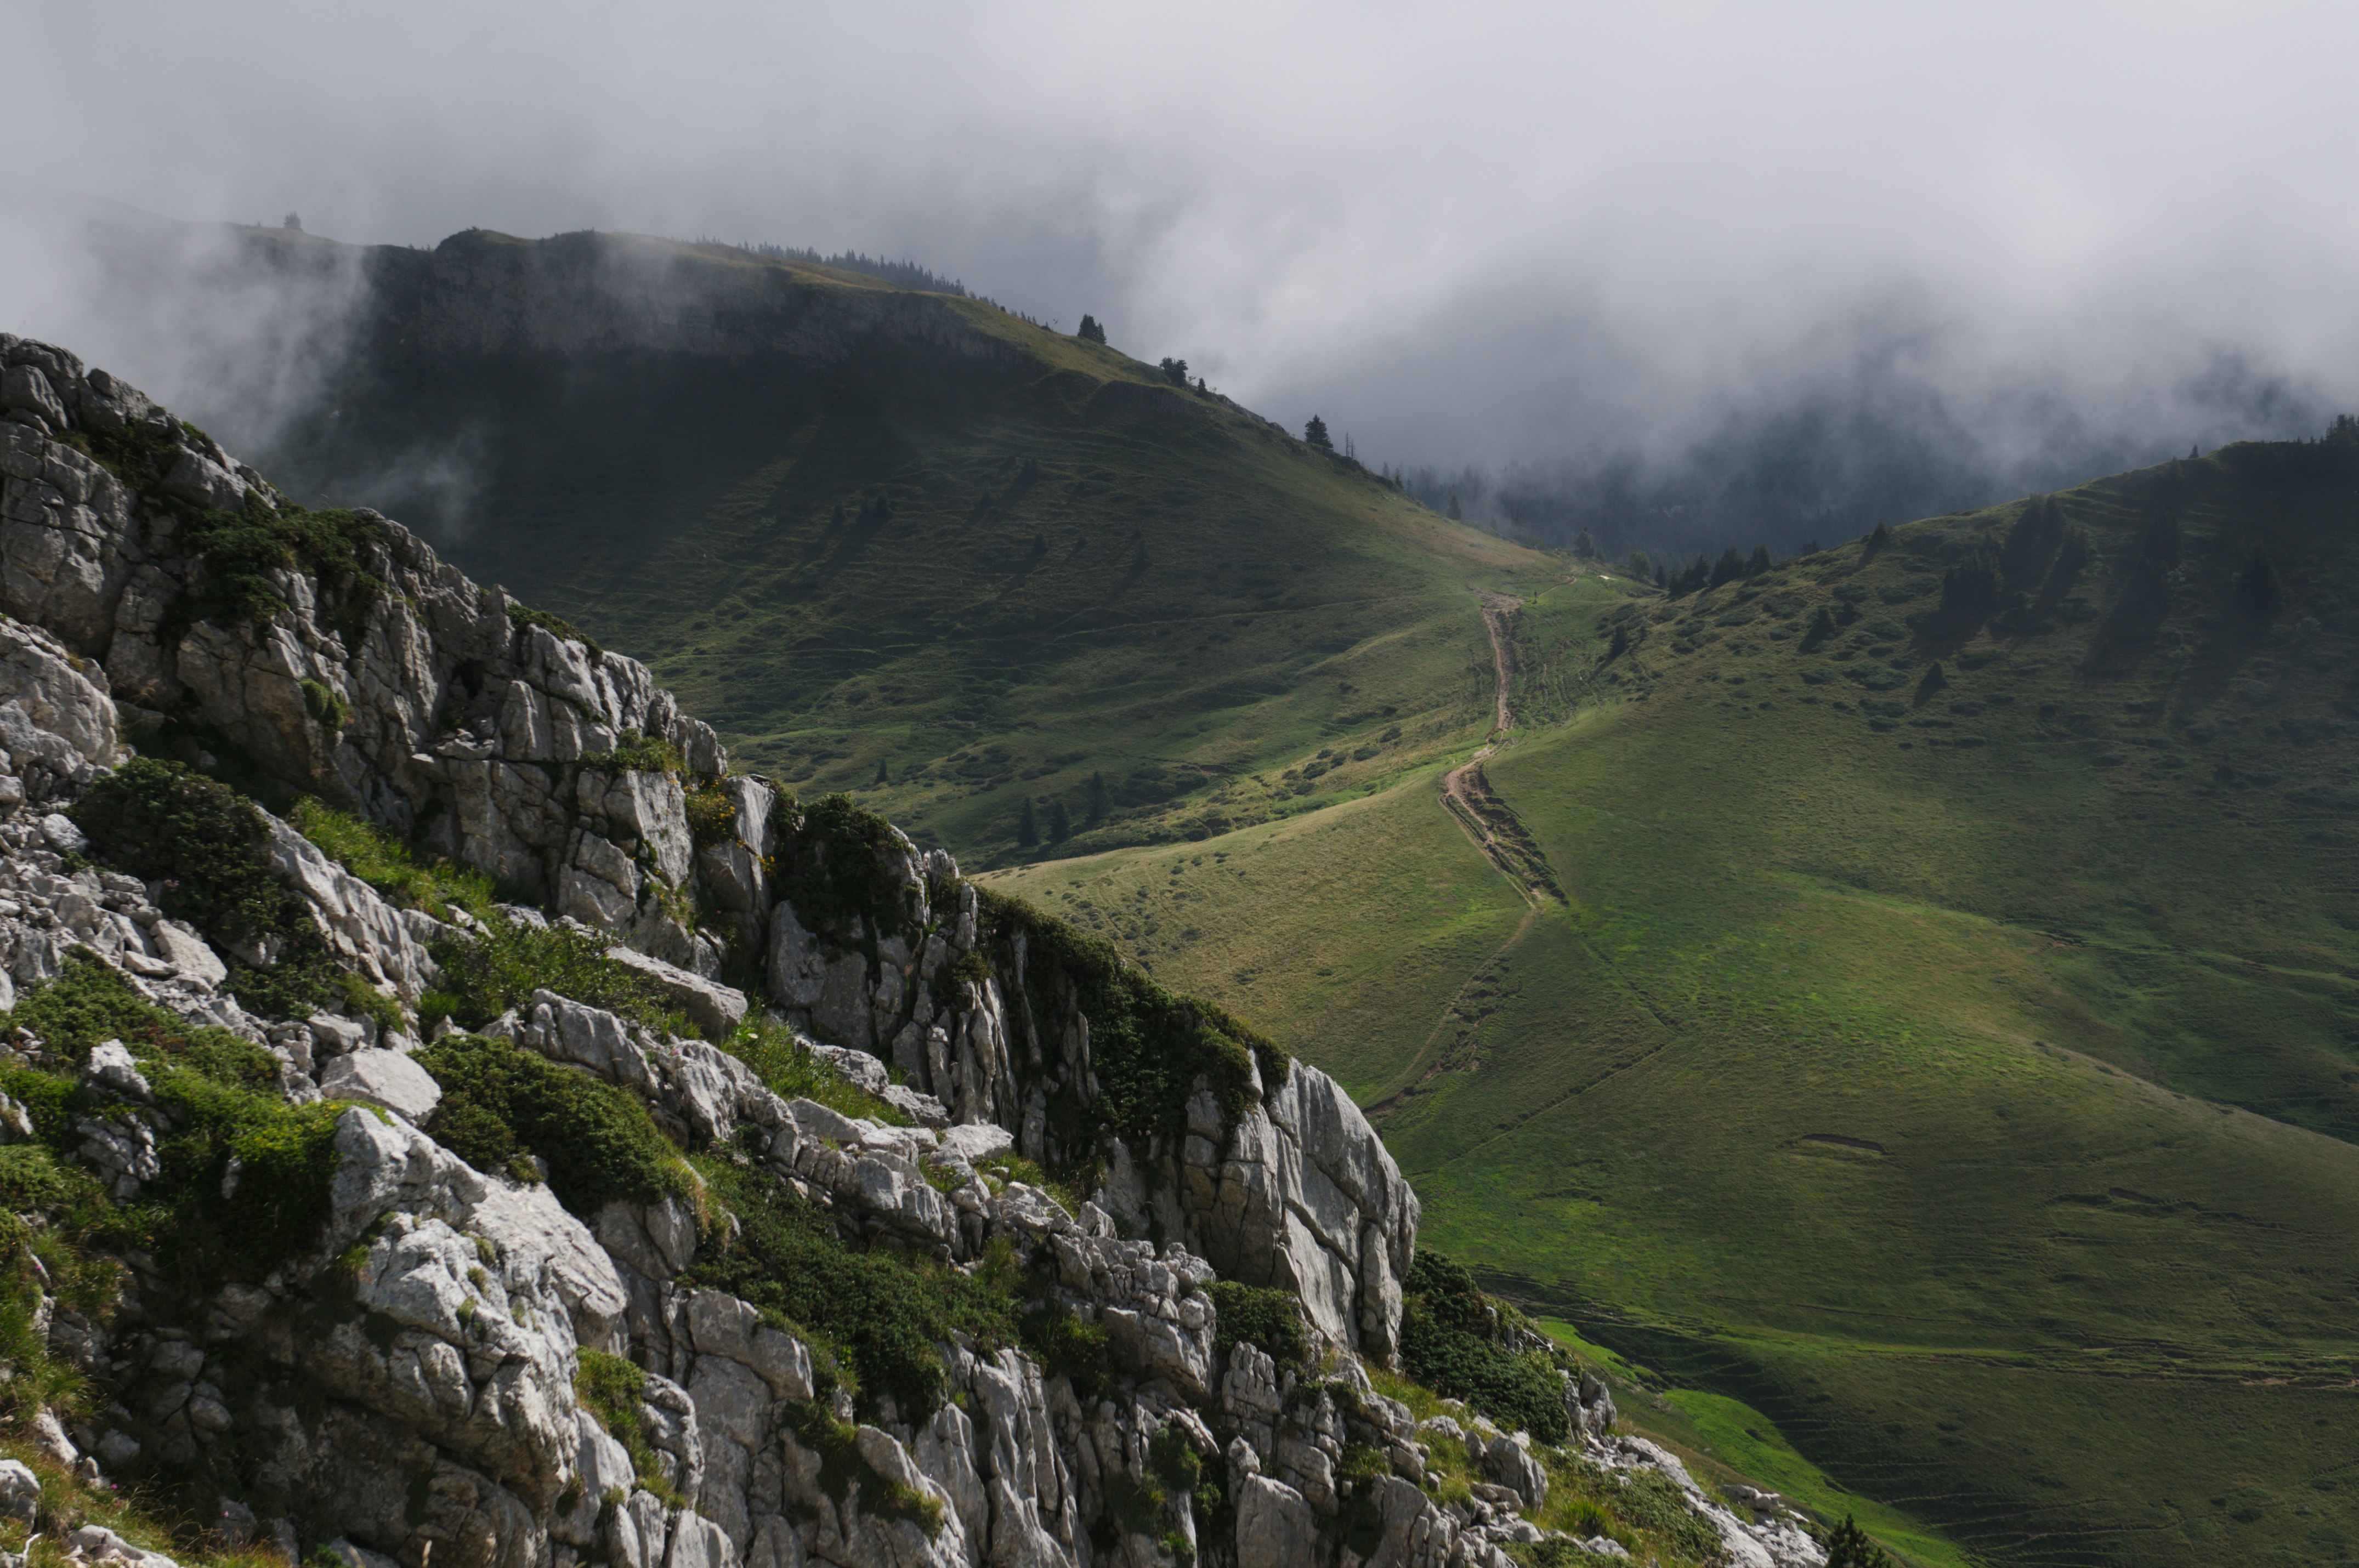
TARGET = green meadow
(1956,1072)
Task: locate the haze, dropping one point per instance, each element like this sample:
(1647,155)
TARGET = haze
(2023,241)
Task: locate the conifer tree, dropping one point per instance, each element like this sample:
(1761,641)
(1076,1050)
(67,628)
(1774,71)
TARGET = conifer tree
(1759,562)
(1094,812)
(1061,825)
(1585,546)
(1315,434)
(1849,1547)
(1089,331)
(1028,828)
(882,776)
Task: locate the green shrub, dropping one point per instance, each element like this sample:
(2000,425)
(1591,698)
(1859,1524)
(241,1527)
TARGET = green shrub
(242,548)
(1066,1347)
(882,1316)
(1449,1342)
(840,1465)
(826,868)
(1262,1316)
(1848,1546)
(207,844)
(90,1001)
(31,1178)
(285,1158)
(711,814)
(501,1102)
(483,976)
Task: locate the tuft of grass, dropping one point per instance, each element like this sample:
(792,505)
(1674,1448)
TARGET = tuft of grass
(555,625)
(389,866)
(840,1467)
(613,1388)
(789,1070)
(635,752)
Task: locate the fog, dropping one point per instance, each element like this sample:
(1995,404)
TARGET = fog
(1853,260)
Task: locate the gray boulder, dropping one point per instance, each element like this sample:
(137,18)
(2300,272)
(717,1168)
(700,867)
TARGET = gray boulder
(386,1078)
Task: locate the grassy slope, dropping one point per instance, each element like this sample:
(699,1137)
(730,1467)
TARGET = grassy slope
(2083,1306)
(1083,570)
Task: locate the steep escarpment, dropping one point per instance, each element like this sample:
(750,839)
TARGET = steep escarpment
(451,1117)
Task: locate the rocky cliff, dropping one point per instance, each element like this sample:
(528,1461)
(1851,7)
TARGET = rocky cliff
(534,1143)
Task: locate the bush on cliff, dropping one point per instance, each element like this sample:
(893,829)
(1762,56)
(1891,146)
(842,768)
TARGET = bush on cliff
(220,1114)
(879,1318)
(501,1103)
(1148,1046)
(1450,1342)
(209,846)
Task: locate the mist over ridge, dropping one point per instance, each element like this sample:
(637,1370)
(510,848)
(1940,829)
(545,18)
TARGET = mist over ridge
(1700,276)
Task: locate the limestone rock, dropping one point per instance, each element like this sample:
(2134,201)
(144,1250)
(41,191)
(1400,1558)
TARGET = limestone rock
(382,1077)
(717,1009)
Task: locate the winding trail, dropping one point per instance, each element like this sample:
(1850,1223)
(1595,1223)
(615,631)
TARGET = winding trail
(1494,829)
(1466,792)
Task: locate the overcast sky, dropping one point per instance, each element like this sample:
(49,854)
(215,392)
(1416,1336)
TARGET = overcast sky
(1460,232)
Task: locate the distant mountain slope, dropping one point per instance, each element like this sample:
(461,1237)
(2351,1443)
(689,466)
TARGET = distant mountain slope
(1959,1068)
(866,527)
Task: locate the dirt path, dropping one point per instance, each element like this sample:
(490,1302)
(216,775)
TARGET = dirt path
(1456,1042)
(1467,793)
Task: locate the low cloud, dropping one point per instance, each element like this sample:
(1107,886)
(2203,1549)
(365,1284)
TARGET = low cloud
(2025,241)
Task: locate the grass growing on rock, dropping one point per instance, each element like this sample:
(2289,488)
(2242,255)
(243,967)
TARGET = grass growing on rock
(483,976)
(391,867)
(220,1113)
(878,1317)
(612,1388)
(789,1069)
(1148,1046)
(243,548)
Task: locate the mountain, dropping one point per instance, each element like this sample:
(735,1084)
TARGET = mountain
(1945,1045)
(398,1179)
(882,534)
(1929,1089)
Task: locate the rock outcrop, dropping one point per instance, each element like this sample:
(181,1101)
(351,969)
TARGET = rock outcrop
(412,1383)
